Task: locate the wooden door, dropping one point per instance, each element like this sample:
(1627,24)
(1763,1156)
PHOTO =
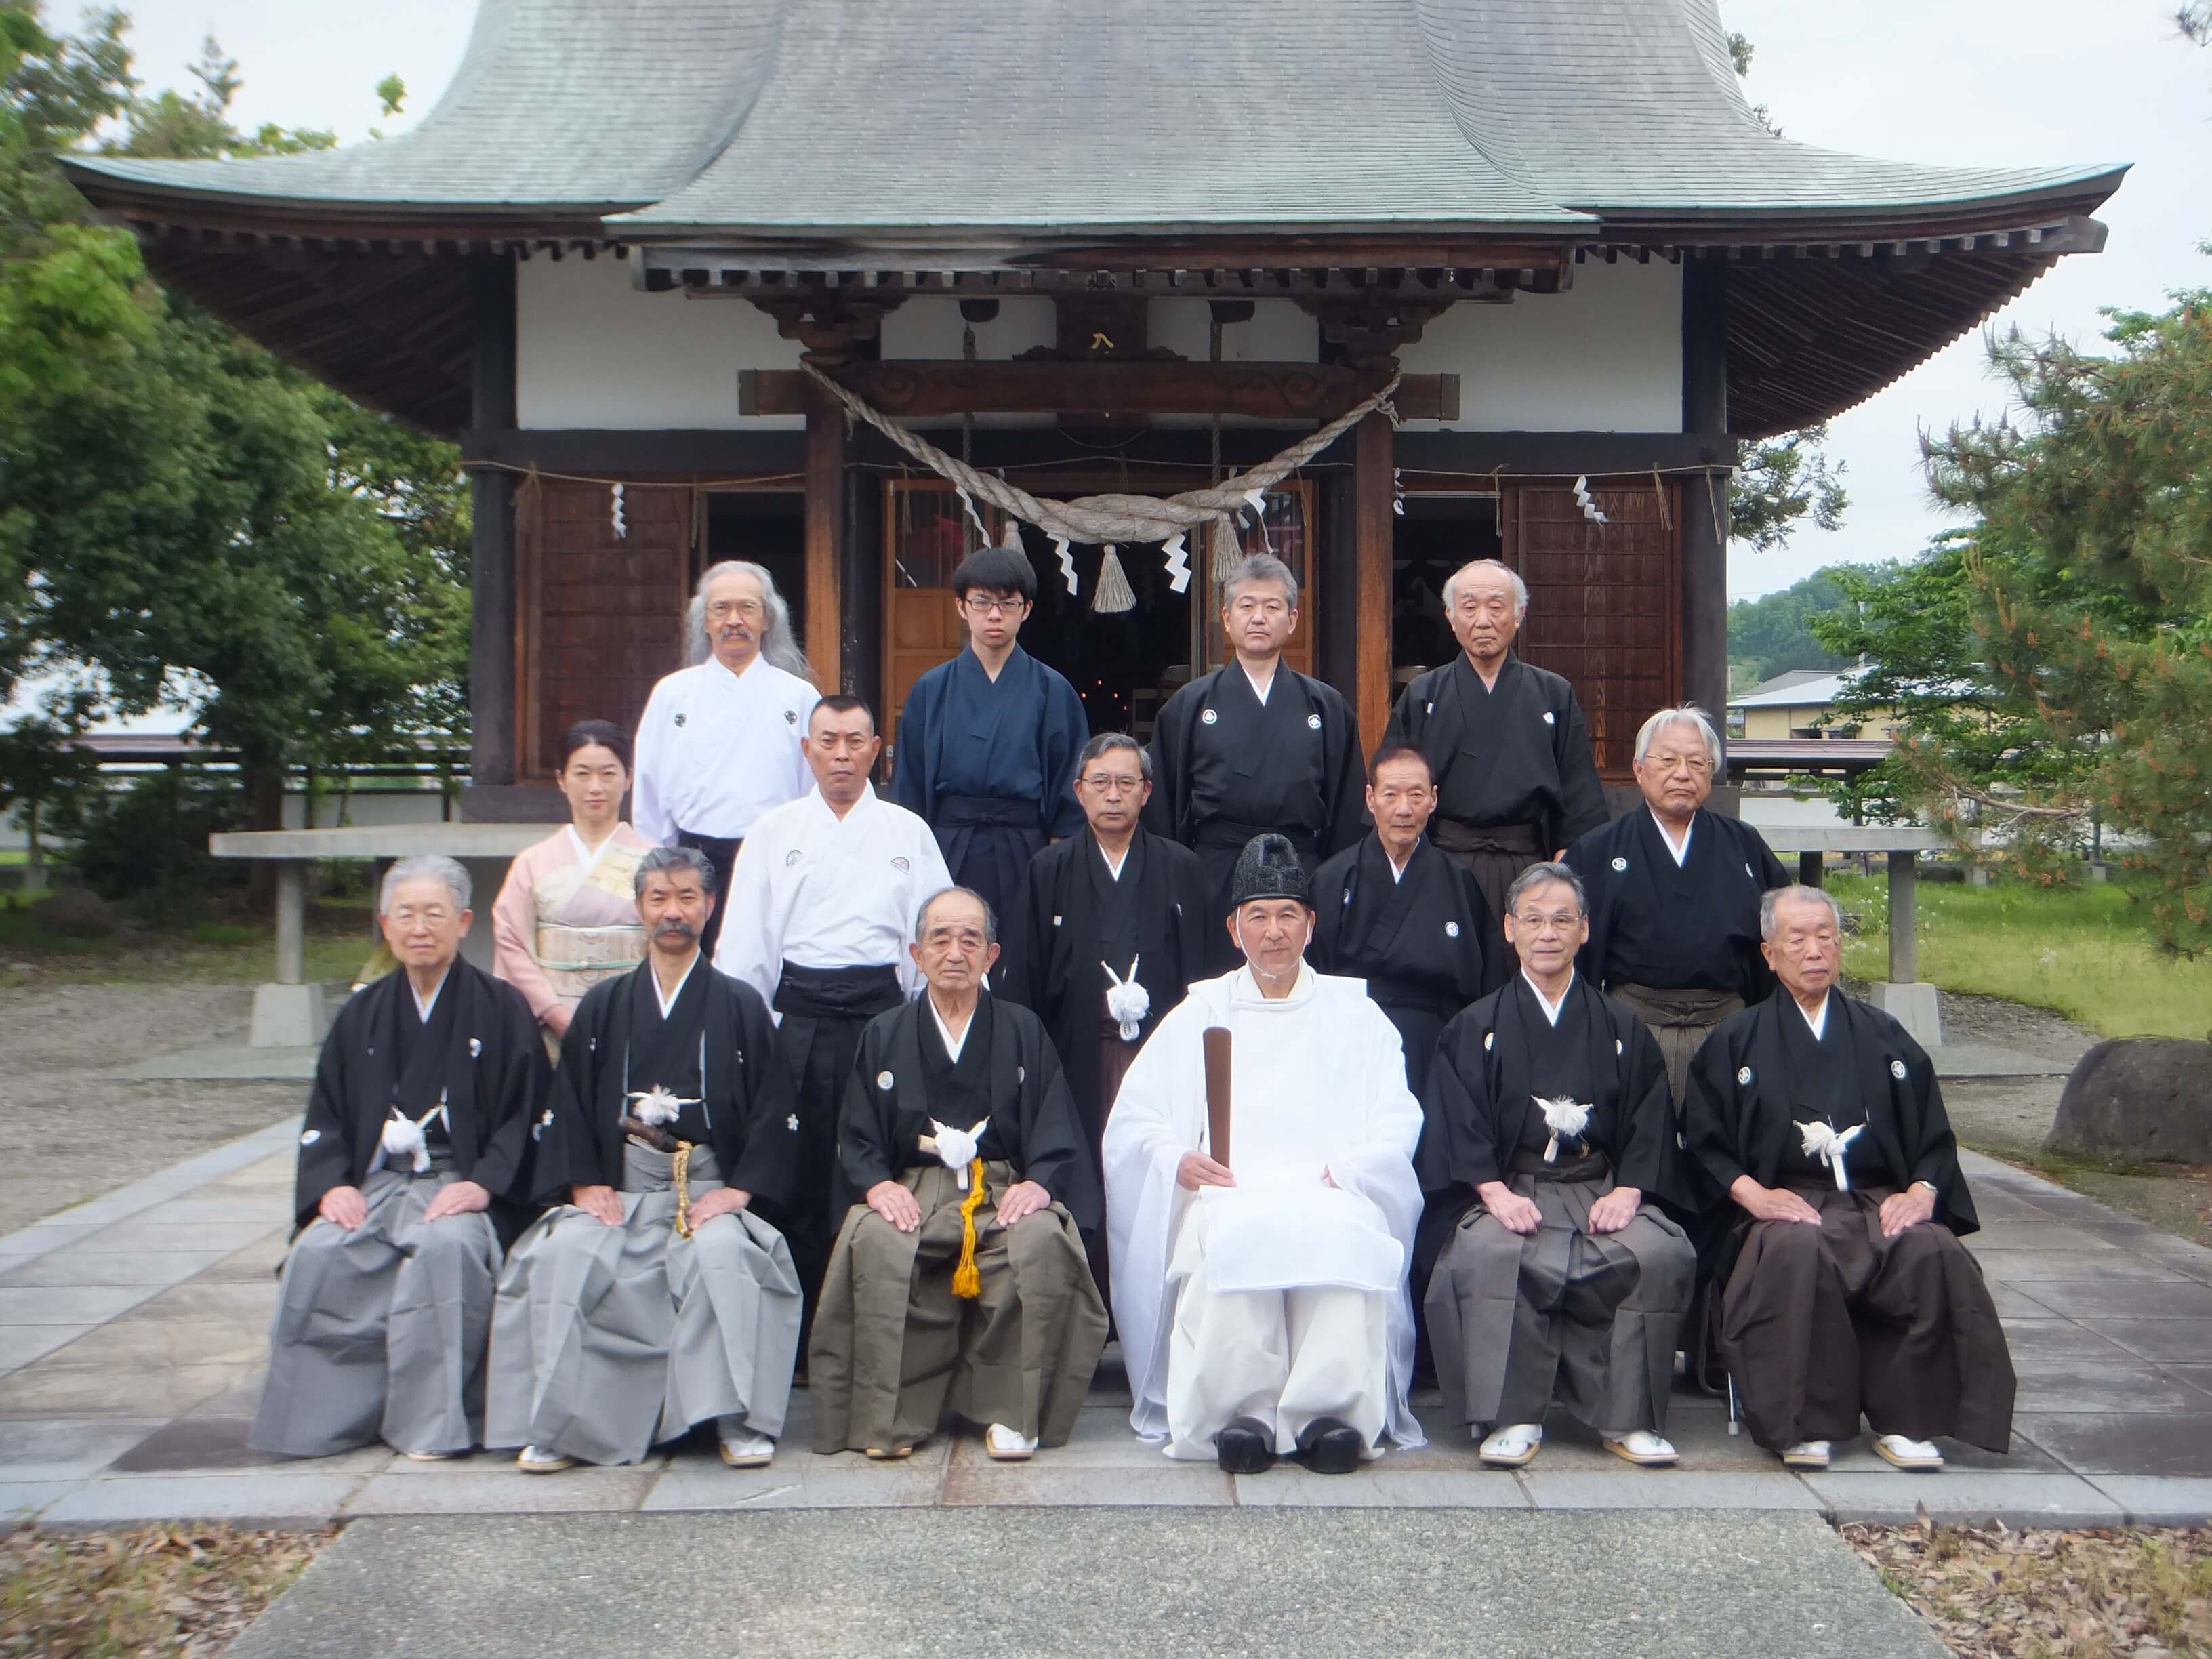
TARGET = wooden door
(1604,602)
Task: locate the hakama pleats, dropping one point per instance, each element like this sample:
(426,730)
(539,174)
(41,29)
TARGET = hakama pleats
(1679,1022)
(894,1350)
(1283,1356)
(607,1341)
(1494,854)
(381,1332)
(1516,1320)
(987,843)
(1821,1323)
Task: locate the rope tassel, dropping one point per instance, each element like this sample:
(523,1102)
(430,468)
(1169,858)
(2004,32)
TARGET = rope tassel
(967,1278)
(1113,595)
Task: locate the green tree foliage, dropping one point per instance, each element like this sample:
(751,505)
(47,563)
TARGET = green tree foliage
(1773,634)
(211,524)
(2055,660)
(42,766)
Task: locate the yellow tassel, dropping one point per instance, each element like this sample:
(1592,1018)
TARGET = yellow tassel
(682,1176)
(967,1278)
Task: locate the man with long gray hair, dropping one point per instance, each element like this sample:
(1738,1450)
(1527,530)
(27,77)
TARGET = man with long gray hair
(1255,748)
(718,744)
(1515,781)
(411,1162)
(1673,895)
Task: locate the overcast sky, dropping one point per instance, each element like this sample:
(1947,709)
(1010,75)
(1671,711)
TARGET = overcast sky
(1991,82)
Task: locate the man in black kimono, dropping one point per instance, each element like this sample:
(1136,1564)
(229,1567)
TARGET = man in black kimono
(959,1281)
(1110,931)
(1675,895)
(1849,1291)
(1508,743)
(1254,748)
(988,742)
(655,1295)
(412,1153)
(1395,912)
(1549,1270)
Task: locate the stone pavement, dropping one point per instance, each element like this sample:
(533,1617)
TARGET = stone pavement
(1021,1583)
(133,1336)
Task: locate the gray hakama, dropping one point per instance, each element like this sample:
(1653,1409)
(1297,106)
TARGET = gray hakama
(1679,1022)
(894,1349)
(1591,1318)
(380,1331)
(607,1341)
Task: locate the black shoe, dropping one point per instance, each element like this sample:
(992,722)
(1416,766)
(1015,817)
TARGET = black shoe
(1331,1446)
(1244,1447)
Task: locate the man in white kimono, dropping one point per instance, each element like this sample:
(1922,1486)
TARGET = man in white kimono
(1261,1297)
(822,906)
(718,743)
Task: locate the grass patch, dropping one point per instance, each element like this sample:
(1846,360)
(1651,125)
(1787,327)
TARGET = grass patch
(223,951)
(156,1590)
(2085,952)
(2089,1594)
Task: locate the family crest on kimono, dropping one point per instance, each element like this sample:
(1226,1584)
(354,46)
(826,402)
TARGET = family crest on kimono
(410,1157)
(565,916)
(1259,1279)
(987,743)
(655,1295)
(1846,1290)
(1550,1272)
(1255,747)
(1507,743)
(821,911)
(1396,913)
(719,742)
(1673,895)
(960,1283)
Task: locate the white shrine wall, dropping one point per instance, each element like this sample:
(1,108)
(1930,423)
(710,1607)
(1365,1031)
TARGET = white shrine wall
(594,351)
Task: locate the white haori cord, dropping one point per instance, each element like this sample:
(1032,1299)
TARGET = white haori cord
(657,1106)
(1127,1002)
(956,1148)
(403,1136)
(1564,1118)
(1822,1141)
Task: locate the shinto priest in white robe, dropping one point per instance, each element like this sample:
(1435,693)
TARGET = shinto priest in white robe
(1318,1095)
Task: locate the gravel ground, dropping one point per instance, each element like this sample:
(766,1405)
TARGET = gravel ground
(67,1133)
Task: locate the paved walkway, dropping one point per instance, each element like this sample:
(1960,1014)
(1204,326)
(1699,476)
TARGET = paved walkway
(133,1332)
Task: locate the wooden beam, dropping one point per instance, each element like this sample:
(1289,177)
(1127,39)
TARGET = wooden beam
(825,534)
(923,389)
(1374,539)
(494,654)
(1703,523)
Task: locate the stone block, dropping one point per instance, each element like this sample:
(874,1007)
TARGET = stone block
(2139,1098)
(2028,1498)
(288,1015)
(1917,1007)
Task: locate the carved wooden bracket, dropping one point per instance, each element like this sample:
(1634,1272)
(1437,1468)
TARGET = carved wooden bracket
(828,323)
(1372,327)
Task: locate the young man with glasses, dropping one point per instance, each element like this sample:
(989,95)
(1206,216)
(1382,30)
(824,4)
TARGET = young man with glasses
(986,743)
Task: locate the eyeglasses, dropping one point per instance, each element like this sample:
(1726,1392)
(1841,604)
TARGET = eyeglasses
(1558,921)
(979,605)
(741,610)
(1111,783)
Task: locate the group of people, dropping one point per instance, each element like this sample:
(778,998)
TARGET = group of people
(1313,1070)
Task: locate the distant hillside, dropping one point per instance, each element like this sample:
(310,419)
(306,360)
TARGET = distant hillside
(1769,636)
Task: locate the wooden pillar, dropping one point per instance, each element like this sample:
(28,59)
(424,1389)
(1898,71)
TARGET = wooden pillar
(1374,533)
(1904,918)
(1703,585)
(826,449)
(492,644)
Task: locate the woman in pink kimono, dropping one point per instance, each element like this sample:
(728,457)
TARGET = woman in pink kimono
(567,916)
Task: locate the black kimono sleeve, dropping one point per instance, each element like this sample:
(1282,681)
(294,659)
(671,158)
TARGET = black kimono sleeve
(1581,796)
(1023,970)
(1055,1151)
(1712,1129)
(518,1093)
(866,1123)
(566,1152)
(327,1155)
(1347,789)
(768,1168)
(1647,1158)
(1459,1148)
(1168,751)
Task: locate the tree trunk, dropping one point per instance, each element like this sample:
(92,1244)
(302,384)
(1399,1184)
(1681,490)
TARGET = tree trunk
(263,784)
(34,856)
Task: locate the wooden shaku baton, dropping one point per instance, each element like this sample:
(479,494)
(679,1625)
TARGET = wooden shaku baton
(1218,1041)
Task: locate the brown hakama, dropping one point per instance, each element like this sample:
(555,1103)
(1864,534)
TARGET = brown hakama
(1513,1318)
(894,1350)
(1821,1324)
